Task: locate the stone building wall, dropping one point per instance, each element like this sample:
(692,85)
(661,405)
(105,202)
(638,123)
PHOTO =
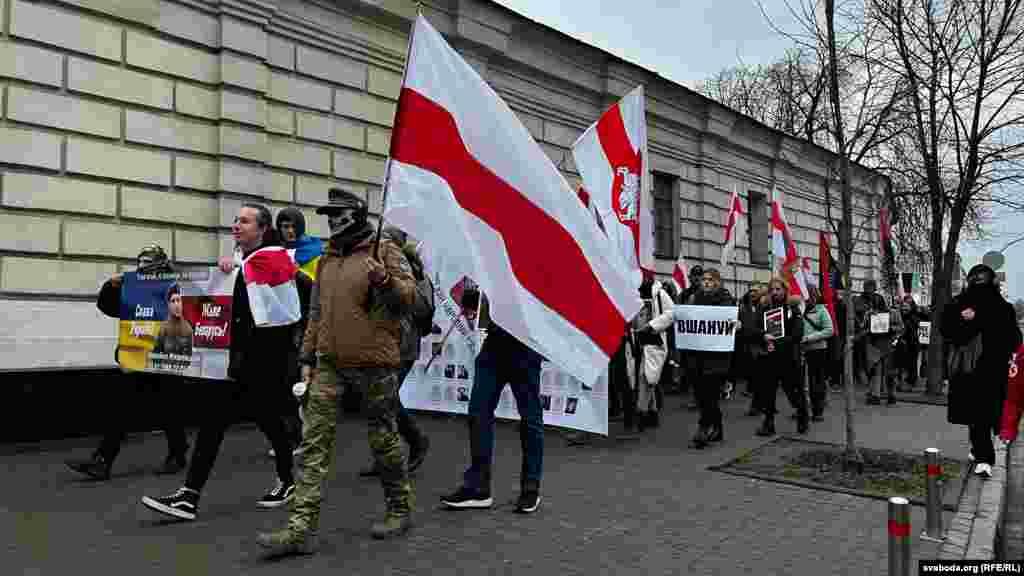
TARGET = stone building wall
(124,122)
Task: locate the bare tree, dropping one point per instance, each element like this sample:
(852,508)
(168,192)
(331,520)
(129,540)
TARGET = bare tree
(963,64)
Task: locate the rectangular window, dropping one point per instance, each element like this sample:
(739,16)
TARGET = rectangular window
(760,229)
(666,239)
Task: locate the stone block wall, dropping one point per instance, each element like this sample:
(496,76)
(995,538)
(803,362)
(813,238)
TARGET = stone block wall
(124,122)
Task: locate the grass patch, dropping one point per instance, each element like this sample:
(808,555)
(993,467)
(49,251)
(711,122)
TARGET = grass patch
(886,473)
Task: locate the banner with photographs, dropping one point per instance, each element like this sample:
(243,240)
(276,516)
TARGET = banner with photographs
(176,323)
(442,378)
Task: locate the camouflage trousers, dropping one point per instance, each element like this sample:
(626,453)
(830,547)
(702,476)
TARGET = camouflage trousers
(380,390)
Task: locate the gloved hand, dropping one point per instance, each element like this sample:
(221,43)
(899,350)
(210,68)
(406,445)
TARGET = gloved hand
(376,272)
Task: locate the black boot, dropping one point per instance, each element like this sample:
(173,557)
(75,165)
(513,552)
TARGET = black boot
(767,427)
(418,452)
(716,434)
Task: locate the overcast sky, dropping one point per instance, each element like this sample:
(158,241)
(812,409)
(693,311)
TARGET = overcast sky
(689,40)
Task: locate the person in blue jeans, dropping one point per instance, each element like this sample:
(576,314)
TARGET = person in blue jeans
(503,359)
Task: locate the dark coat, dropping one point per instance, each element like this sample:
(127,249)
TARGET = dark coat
(787,349)
(978,398)
(258,356)
(714,364)
(747,337)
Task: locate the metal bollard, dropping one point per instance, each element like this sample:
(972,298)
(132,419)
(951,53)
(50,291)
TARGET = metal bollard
(899,536)
(933,522)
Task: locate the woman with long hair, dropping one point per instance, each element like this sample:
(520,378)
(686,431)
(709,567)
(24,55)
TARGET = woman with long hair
(175,335)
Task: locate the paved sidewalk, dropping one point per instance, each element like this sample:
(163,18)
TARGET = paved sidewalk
(632,507)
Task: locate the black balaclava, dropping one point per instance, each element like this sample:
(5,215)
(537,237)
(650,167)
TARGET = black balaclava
(354,228)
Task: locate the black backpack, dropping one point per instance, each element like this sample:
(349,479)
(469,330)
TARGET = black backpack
(424,321)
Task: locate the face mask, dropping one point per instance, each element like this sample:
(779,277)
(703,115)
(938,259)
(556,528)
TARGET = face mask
(341,222)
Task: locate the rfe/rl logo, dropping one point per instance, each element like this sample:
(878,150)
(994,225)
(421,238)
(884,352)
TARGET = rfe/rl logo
(626,191)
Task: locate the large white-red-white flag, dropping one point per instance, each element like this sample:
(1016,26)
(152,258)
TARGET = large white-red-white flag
(611,156)
(270,283)
(784,253)
(735,226)
(466,176)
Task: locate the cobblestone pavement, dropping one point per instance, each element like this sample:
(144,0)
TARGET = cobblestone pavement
(648,506)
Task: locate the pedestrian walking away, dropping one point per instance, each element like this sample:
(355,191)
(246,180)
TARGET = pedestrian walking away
(352,340)
(158,394)
(258,367)
(982,329)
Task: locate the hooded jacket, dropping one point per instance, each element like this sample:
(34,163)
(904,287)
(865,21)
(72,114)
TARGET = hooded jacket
(305,250)
(340,327)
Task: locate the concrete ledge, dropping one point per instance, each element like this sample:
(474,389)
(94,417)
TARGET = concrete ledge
(972,534)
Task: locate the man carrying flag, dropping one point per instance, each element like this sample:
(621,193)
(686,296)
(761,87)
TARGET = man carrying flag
(465,173)
(348,345)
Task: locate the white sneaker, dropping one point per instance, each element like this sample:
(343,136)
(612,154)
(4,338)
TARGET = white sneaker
(983,470)
(970,456)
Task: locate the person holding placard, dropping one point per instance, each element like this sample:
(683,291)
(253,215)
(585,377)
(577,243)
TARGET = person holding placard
(877,328)
(707,369)
(910,343)
(779,336)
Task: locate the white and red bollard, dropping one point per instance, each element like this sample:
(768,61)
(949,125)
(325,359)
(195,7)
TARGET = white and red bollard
(899,536)
(933,496)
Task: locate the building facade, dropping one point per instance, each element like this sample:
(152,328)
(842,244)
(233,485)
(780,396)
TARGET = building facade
(126,122)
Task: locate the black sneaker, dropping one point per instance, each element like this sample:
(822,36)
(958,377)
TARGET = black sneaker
(183,504)
(95,467)
(528,502)
(465,498)
(280,495)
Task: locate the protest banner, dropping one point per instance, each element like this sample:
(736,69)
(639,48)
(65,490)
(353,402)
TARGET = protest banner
(441,379)
(706,328)
(176,322)
(880,323)
(775,323)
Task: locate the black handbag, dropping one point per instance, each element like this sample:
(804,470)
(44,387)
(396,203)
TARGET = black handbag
(964,359)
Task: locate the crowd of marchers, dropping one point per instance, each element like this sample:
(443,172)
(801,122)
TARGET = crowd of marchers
(366,301)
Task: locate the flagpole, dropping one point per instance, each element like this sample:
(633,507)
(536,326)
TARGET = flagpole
(387,167)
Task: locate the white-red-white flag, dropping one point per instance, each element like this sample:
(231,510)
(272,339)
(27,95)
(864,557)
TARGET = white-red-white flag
(681,274)
(735,226)
(784,253)
(611,156)
(467,177)
(269,275)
